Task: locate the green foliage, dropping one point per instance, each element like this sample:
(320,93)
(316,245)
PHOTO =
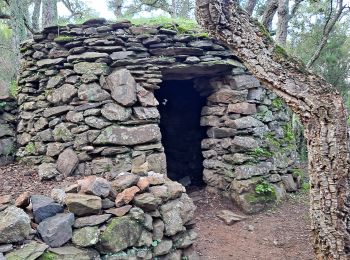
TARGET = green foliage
(2,105)
(264,188)
(277,103)
(181,25)
(30,148)
(299,172)
(305,187)
(260,152)
(63,39)
(289,136)
(48,256)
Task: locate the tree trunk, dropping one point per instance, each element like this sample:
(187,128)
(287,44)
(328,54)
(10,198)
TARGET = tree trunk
(18,26)
(250,6)
(319,106)
(269,13)
(49,13)
(283,20)
(36,15)
(117,6)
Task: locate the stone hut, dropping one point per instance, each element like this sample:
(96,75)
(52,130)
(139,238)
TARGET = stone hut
(101,98)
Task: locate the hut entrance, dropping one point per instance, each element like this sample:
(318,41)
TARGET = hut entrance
(180,108)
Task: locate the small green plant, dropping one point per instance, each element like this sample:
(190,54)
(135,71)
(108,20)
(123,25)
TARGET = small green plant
(155,243)
(30,148)
(277,103)
(289,135)
(13,89)
(264,188)
(305,187)
(260,152)
(299,172)
(3,105)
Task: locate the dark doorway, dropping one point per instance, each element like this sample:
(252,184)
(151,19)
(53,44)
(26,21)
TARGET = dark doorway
(180,108)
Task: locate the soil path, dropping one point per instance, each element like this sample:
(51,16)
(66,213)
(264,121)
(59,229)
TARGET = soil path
(282,233)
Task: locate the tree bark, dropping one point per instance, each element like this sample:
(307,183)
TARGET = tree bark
(283,20)
(250,6)
(36,15)
(49,13)
(18,26)
(319,106)
(269,13)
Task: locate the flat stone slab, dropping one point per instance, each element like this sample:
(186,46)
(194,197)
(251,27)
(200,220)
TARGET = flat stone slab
(129,135)
(229,217)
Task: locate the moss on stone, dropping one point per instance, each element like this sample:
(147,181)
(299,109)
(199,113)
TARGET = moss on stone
(30,148)
(48,256)
(63,39)
(260,152)
(277,103)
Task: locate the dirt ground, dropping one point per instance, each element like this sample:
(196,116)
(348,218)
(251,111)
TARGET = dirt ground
(281,233)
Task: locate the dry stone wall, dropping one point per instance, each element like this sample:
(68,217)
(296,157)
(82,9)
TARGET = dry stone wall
(128,217)
(87,106)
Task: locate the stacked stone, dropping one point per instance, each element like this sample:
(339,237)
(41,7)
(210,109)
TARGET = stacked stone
(249,142)
(130,217)
(86,106)
(8,111)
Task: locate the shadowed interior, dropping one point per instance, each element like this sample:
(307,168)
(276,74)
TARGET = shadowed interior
(180,109)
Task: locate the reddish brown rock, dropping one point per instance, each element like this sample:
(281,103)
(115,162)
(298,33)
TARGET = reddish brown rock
(23,200)
(126,196)
(143,183)
(119,212)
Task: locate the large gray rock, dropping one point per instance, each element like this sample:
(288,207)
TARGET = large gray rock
(122,86)
(91,221)
(163,247)
(93,185)
(129,135)
(97,122)
(146,113)
(243,172)
(83,205)
(176,214)
(147,201)
(54,111)
(56,231)
(87,56)
(67,162)
(31,251)
(14,225)
(244,143)
(47,171)
(85,237)
(124,181)
(115,112)
(92,92)
(121,233)
(62,95)
(94,68)
(246,122)
(50,62)
(44,207)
